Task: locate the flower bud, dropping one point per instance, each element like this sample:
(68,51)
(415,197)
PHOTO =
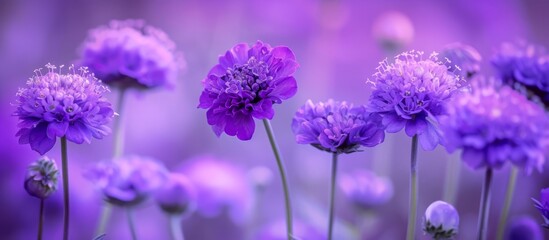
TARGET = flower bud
(441,220)
(41,179)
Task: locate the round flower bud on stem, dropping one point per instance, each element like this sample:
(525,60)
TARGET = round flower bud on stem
(441,220)
(41,179)
(177,195)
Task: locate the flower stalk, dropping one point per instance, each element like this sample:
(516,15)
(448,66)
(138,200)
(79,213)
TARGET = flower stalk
(507,204)
(484,205)
(332,195)
(411,231)
(65,173)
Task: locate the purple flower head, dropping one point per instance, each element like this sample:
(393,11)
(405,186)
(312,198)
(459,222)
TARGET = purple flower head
(543,206)
(523,228)
(302,231)
(128,181)
(393,30)
(337,127)
(177,195)
(67,105)
(41,179)
(365,189)
(441,220)
(245,84)
(131,54)
(462,59)
(219,186)
(411,93)
(494,124)
(526,68)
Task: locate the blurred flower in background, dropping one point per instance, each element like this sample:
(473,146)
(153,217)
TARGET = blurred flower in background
(177,195)
(131,54)
(302,231)
(393,30)
(42,177)
(523,228)
(441,220)
(245,84)
(67,105)
(337,127)
(461,59)
(543,206)
(366,189)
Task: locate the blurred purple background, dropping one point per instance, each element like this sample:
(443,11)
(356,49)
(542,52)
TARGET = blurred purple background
(337,52)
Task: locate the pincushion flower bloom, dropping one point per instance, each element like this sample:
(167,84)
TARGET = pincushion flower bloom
(57,104)
(245,84)
(524,228)
(441,220)
(411,93)
(543,206)
(130,53)
(462,59)
(337,127)
(129,180)
(495,124)
(365,189)
(41,179)
(177,195)
(526,68)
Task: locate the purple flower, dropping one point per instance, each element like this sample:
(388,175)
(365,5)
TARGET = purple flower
(494,124)
(131,54)
(523,228)
(337,127)
(441,220)
(67,105)
(525,67)
(543,206)
(245,84)
(462,59)
(411,93)
(393,30)
(128,181)
(365,189)
(41,179)
(219,186)
(302,231)
(177,195)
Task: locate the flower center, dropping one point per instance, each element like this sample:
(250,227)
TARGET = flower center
(249,81)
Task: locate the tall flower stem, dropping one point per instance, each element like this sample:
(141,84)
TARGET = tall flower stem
(41,219)
(65,173)
(451,179)
(118,149)
(289,224)
(484,205)
(175,227)
(507,205)
(411,232)
(332,196)
(131,224)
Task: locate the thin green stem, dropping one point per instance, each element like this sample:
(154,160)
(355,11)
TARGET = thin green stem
(507,205)
(451,180)
(484,205)
(175,227)
(65,173)
(118,150)
(41,219)
(411,231)
(131,224)
(332,196)
(289,224)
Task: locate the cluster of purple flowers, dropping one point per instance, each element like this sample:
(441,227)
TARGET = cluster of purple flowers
(337,127)
(245,84)
(411,94)
(486,123)
(131,54)
(67,105)
(526,68)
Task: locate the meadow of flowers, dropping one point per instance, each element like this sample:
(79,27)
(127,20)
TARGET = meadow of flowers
(274,120)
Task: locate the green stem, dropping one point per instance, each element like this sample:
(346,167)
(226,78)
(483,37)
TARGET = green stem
(289,224)
(41,219)
(451,180)
(484,205)
(332,196)
(65,171)
(118,149)
(175,227)
(411,231)
(507,205)
(131,223)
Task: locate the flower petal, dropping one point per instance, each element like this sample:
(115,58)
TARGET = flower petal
(285,88)
(39,140)
(57,129)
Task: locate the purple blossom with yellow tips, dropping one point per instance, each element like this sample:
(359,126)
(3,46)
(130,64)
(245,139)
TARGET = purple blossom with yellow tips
(337,127)
(411,93)
(131,54)
(245,84)
(57,104)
